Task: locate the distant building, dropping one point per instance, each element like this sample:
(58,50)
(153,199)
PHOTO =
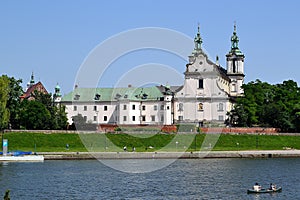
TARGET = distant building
(31,88)
(207,94)
(57,95)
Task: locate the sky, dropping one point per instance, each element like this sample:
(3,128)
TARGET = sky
(53,39)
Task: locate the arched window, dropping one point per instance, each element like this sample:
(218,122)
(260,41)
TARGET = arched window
(221,107)
(200,106)
(180,107)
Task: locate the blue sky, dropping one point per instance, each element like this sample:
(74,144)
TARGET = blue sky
(52,38)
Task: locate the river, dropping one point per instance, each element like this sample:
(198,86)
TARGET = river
(183,179)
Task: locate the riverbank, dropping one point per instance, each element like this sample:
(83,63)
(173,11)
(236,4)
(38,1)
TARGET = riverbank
(94,142)
(170,155)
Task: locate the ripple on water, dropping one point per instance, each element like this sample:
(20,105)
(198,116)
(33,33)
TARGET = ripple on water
(184,179)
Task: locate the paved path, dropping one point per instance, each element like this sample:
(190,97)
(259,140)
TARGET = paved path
(171,155)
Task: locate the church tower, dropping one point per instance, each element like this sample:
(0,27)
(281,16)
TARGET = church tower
(235,66)
(57,94)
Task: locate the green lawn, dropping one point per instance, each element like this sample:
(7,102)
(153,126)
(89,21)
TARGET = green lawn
(41,142)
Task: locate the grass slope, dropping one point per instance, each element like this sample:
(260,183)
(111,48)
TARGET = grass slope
(41,142)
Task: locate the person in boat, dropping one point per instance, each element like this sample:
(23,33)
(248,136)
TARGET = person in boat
(272,186)
(257,187)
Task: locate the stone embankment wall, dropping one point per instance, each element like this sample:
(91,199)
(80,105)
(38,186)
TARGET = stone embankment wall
(166,129)
(170,155)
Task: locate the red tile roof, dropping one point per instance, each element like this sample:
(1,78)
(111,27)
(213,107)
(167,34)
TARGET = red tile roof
(36,87)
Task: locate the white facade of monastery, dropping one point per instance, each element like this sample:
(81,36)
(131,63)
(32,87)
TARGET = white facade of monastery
(207,94)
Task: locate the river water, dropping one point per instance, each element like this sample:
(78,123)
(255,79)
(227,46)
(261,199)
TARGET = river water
(183,179)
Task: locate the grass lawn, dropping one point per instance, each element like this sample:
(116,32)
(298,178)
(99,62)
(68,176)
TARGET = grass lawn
(56,142)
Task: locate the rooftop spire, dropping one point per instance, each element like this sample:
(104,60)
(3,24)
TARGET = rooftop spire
(57,91)
(234,43)
(32,79)
(234,39)
(198,39)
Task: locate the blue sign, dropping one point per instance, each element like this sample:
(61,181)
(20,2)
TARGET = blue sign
(5,146)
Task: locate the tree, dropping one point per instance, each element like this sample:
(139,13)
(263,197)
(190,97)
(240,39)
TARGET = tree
(79,123)
(268,105)
(52,116)
(14,103)
(4,112)
(34,115)
(59,119)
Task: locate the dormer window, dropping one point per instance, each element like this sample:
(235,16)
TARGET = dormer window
(97,96)
(144,96)
(118,96)
(76,97)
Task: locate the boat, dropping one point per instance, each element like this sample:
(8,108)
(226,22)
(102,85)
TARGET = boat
(24,158)
(268,190)
(21,156)
(18,153)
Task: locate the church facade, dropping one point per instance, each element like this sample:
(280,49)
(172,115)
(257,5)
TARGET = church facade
(207,94)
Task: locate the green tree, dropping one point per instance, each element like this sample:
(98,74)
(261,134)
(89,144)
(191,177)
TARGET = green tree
(58,115)
(14,103)
(34,115)
(4,112)
(268,105)
(59,119)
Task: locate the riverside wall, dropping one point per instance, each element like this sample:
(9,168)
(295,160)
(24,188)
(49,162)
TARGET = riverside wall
(170,155)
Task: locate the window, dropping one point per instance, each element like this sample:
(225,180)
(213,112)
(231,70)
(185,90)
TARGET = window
(161,107)
(105,118)
(85,118)
(97,96)
(85,108)
(124,118)
(162,118)
(155,107)
(95,118)
(200,85)
(133,107)
(124,107)
(133,118)
(200,107)
(221,118)
(105,108)
(76,97)
(143,118)
(180,107)
(180,118)
(153,118)
(234,65)
(221,107)
(75,108)
(233,87)
(168,107)
(95,108)
(144,107)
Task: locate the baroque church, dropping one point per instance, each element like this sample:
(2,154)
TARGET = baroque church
(207,94)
